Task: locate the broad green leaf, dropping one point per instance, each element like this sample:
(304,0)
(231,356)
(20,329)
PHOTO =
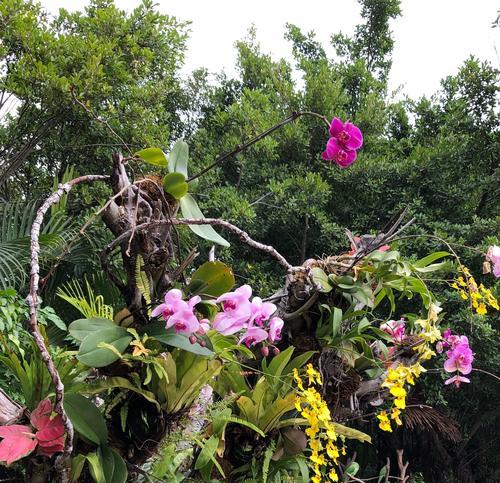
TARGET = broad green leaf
(175,184)
(190,209)
(113,466)
(92,355)
(154,156)
(321,278)
(212,278)
(81,328)
(178,158)
(86,418)
(169,337)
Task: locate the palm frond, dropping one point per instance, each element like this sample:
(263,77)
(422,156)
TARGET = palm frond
(88,304)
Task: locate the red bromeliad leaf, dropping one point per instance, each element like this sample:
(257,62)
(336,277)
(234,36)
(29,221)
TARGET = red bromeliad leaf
(40,417)
(18,441)
(50,434)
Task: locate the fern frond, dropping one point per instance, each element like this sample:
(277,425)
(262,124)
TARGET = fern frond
(142,281)
(89,304)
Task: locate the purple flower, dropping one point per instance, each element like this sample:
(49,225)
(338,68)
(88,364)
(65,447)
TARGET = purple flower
(253,336)
(237,310)
(460,358)
(261,311)
(345,140)
(275,327)
(457,380)
(494,256)
(395,328)
(173,303)
(184,321)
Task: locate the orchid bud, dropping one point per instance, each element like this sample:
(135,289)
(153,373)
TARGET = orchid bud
(276,351)
(203,343)
(265,351)
(192,339)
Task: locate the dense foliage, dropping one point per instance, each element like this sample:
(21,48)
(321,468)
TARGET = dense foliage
(79,87)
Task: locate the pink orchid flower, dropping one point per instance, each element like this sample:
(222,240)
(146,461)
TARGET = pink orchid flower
(253,336)
(261,311)
(204,327)
(395,328)
(341,147)
(183,321)
(457,380)
(460,359)
(275,327)
(237,310)
(494,256)
(173,303)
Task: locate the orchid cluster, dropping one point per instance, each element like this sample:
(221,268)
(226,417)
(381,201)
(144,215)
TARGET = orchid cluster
(396,379)
(396,329)
(459,357)
(479,297)
(46,431)
(321,432)
(252,319)
(345,140)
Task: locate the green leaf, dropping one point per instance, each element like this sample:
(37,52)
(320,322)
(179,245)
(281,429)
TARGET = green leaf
(175,184)
(154,156)
(142,281)
(423,262)
(190,209)
(352,469)
(113,382)
(178,158)
(321,278)
(92,355)
(351,433)
(169,337)
(114,468)
(81,328)
(96,469)
(86,418)
(212,278)
(336,321)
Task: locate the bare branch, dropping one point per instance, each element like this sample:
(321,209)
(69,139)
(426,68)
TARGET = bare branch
(33,302)
(242,235)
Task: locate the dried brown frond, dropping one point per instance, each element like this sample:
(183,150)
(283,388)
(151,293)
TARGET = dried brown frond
(426,418)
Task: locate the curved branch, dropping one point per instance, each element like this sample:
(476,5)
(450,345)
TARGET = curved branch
(33,303)
(242,235)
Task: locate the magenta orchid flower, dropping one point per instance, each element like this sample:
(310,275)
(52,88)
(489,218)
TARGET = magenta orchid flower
(275,327)
(395,328)
(173,303)
(253,336)
(261,311)
(457,380)
(183,321)
(237,310)
(494,256)
(345,141)
(459,359)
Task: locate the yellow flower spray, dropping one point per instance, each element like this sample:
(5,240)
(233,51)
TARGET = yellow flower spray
(322,437)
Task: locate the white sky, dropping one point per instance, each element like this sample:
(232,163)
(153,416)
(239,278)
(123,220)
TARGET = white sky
(433,37)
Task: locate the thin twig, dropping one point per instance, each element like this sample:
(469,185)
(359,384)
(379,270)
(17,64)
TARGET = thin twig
(241,147)
(32,299)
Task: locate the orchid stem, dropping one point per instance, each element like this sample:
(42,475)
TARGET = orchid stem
(241,147)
